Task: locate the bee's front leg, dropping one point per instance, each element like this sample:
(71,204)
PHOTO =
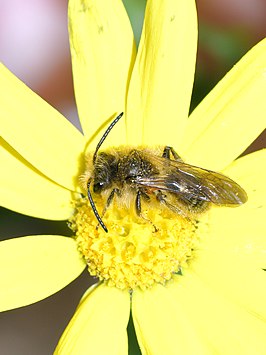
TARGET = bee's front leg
(138,207)
(109,201)
(166,153)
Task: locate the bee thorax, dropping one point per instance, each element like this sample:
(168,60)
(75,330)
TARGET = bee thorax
(134,165)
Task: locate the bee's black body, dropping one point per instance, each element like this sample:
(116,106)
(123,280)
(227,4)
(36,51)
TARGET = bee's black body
(159,174)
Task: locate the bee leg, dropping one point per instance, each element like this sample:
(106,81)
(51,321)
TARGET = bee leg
(109,201)
(162,198)
(166,153)
(138,207)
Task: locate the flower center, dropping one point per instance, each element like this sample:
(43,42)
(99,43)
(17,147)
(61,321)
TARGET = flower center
(136,252)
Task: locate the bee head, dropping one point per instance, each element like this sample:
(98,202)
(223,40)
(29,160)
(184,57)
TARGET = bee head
(105,169)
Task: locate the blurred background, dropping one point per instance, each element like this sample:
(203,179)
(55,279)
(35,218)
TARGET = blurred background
(34,46)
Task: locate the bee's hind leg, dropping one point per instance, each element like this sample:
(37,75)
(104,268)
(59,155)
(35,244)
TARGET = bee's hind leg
(162,198)
(138,207)
(166,153)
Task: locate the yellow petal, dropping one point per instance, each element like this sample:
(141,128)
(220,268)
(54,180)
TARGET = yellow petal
(234,242)
(23,189)
(35,267)
(226,327)
(162,326)
(231,116)
(162,79)
(238,231)
(242,230)
(99,325)
(103,52)
(230,275)
(38,132)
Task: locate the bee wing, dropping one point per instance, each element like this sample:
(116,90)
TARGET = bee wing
(187,181)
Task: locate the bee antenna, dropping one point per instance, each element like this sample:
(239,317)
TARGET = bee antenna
(95,209)
(104,136)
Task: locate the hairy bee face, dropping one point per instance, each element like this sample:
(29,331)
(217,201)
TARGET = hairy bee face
(105,172)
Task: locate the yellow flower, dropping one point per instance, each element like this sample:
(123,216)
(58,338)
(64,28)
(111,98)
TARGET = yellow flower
(217,305)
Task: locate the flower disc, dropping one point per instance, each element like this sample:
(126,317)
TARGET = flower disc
(136,252)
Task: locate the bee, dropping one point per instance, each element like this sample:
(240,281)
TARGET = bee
(137,174)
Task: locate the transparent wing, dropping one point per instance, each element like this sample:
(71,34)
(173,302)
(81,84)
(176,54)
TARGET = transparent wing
(187,181)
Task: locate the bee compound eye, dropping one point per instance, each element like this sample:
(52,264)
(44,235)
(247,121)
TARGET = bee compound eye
(98,187)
